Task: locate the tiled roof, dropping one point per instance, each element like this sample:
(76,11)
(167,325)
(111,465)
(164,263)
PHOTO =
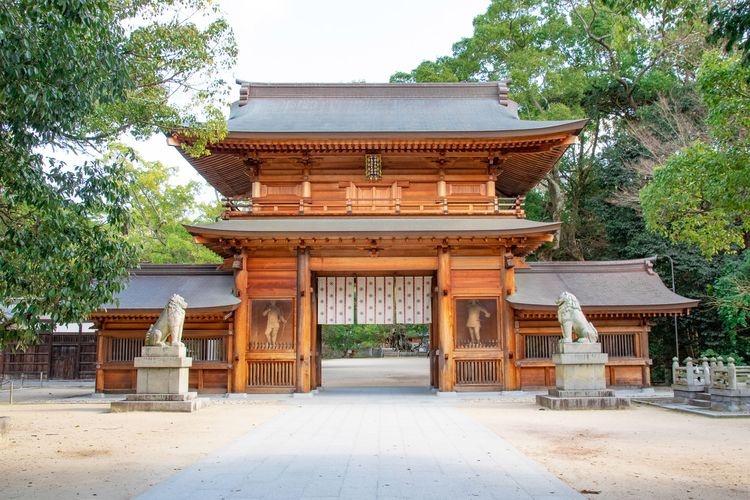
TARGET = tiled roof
(204,288)
(442,108)
(606,285)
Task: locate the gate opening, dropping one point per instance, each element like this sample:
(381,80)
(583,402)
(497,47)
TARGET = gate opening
(375,332)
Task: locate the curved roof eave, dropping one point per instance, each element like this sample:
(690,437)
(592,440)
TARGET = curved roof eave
(301,227)
(534,128)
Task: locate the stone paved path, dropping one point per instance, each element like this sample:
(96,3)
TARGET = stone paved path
(366,444)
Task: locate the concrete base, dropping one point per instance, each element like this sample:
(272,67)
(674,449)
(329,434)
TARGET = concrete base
(162,383)
(188,402)
(733,400)
(580,366)
(684,393)
(163,370)
(580,380)
(582,400)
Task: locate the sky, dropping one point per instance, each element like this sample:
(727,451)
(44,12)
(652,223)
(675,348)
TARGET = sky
(332,41)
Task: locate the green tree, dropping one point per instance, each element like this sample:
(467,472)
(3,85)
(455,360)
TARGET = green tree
(700,195)
(74,76)
(159,210)
(730,24)
(572,59)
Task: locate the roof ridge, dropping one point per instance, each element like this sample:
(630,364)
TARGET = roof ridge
(439,90)
(642,264)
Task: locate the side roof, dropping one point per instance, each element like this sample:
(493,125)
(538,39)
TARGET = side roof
(204,288)
(627,286)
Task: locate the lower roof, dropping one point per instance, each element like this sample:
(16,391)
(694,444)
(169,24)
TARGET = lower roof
(630,285)
(204,288)
(305,227)
(615,286)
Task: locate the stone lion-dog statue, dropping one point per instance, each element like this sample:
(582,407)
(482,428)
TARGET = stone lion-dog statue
(572,320)
(169,324)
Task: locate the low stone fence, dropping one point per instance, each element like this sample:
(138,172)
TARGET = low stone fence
(728,386)
(697,376)
(729,376)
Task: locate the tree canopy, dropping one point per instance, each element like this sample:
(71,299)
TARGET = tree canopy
(666,111)
(74,77)
(160,208)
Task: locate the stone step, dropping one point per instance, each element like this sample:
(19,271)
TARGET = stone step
(704,396)
(582,403)
(700,403)
(580,393)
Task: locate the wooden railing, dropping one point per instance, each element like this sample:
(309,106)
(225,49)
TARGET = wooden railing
(270,346)
(269,373)
(206,349)
(478,372)
(124,349)
(482,344)
(200,349)
(616,345)
(484,205)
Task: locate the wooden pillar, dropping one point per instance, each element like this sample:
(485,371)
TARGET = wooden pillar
(101,348)
(304,321)
(241,327)
(511,378)
(646,355)
(446,380)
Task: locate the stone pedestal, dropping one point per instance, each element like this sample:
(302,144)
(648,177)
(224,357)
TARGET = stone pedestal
(734,400)
(687,392)
(580,380)
(162,383)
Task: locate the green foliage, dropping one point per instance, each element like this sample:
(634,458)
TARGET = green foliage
(159,211)
(343,339)
(74,76)
(631,68)
(731,297)
(700,194)
(730,24)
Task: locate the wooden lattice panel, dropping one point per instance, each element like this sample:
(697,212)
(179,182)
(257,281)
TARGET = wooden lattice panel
(269,373)
(479,372)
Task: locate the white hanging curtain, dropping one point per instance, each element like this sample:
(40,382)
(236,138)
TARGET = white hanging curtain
(381,300)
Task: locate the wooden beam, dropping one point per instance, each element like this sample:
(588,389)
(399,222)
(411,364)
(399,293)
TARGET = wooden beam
(385,264)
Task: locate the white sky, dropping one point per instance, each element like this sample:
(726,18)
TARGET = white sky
(332,41)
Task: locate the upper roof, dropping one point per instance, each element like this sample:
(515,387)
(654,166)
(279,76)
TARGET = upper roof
(383,108)
(323,119)
(204,288)
(599,286)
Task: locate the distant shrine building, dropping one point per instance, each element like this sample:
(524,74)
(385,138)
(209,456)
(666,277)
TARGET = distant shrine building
(382,204)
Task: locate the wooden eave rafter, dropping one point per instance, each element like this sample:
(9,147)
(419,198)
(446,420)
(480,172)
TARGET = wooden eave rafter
(237,144)
(207,313)
(608,312)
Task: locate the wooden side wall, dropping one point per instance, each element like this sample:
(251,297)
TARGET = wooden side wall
(120,339)
(624,339)
(268,370)
(482,366)
(336,184)
(60,355)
